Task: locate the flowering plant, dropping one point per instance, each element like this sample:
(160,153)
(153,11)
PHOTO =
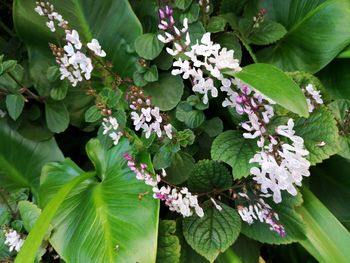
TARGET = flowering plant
(211,130)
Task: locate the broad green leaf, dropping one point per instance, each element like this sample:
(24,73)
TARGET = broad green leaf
(14,105)
(107,211)
(93,114)
(208,175)
(168,250)
(33,241)
(8,66)
(327,239)
(247,249)
(162,158)
(267,33)
(180,168)
(214,232)
(341,110)
(7,82)
(234,6)
(182,4)
(288,217)
(336,78)
(164,61)
(345,53)
(166,92)
(148,46)
(314,39)
(29,214)
(116,33)
(289,12)
(229,256)
(318,128)
(4,249)
(216,24)
(21,160)
(276,85)
(330,182)
(231,148)
(213,127)
(57,116)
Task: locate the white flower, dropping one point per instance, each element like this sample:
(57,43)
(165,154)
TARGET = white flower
(95,46)
(226,60)
(313,97)
(39,10)
(168,130)
(73,37)
(115,136)
(204,86)
(2,113)
(13,240)
(218,207)
(51,26)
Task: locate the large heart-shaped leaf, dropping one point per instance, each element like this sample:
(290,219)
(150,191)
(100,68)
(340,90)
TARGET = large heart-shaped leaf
(102,221)
(314,39)
(21,160)
(113,23)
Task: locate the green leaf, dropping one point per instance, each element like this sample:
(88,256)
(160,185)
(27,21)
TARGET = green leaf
(116,33)
(7,82)
(216,24)
(29,214)
(164,61)
(138,79)
(185,137)
(192,118)
(166,92)
(151,74)
(168,243)
(315,38)
(213,127)
(93,114)
(276,85)
(148,46)
(110,97)
(340,109)
(208,175)
(107,211)
(332,188)
(14,105)
(214,232)
(267,33)
(231,148)
(34,239)
(53,73)
(319,127)
(288,217)
(21,160)
(180,168)
(8,66)
(247,249)
(336,78)
(327,239)
(191,14)
(57,116)
(60,91)
(162,158)
(182,4)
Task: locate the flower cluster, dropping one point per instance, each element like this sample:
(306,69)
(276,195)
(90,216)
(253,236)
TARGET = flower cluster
(313,97)
(13,240)
(179,37)
(259,210)
(145,116)
(209,57)
(74,64)
(253,104)
(178,200)
(281,165)
(46,9)
(110,126)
